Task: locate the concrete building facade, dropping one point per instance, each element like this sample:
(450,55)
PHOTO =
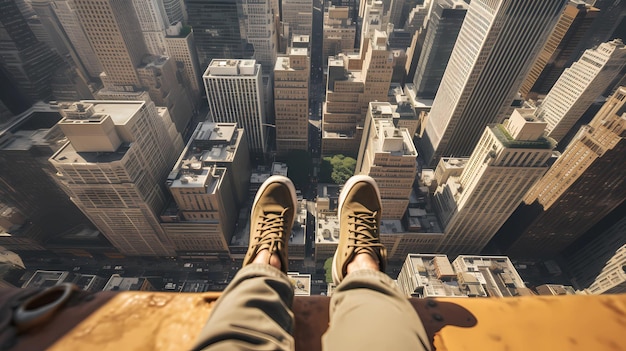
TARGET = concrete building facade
(478,86)
(339,32)
(388,155)
(505,164)
(579,86)
(260,31)
(153,22)
(582,187)
(299,15)
(114,167)
(443,26)
(353,81)
(234,91)
(209,183)
(556,54)
(291,100)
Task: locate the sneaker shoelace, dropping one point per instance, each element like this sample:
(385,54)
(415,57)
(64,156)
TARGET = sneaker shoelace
(365,232)
(270,230)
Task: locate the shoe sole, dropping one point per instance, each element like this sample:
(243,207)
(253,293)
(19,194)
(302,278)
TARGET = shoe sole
(342,197)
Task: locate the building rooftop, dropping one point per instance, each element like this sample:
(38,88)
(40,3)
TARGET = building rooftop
(432,275)
(327,230)
(508,141)
(231,67)
(496,274)
(67,154)
(301,283)
(119,111)
(124,283)
(46,279)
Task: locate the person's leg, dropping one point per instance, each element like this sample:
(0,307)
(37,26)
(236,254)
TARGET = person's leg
(254,312)
(367,310)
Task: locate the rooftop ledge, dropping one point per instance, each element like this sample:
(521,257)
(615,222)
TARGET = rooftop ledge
(172,321)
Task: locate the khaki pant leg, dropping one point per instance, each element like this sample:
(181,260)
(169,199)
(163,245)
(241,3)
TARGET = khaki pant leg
(253,313)
(368,312)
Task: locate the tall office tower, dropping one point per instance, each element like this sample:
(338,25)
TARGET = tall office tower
(27,180)
(596,263)
(260,32)
(175,11)
(54,35)
(339,32)
(419,16)
(612,279)
(153,22)
(182,48)
(579,86)
(291,100)
(557,53)
(479,86)
(388,155)
(234,91)
(400,10)
(216,24)
(114,167)
(120,34)
(115,34)
(158,76)
(349,92)
(373,20)
(28,64)
(443,26)
(507,161)
(582,187)
(208,183)
(609,24)
(66,14)
(299,15)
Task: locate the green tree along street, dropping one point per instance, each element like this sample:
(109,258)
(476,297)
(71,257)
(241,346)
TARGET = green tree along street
(337,169)
(299,167)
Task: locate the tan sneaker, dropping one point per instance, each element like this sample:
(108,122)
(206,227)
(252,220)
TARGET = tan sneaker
(359,221)
(271,219)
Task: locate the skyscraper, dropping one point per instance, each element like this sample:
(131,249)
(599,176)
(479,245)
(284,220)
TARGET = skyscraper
(497,43)
(339,32)
(388,155)
(443,26)
(28,64)
(115,34)
(595,261)
(291,100)
(582,187)
(299,15)
(557,53)
(153,22)
(66,14)
(175,11)
(117,41)
(260,32)
(506,162)
(114,168)
(182,48)
(234,91)
(580,85)
(349,91)
(216,24)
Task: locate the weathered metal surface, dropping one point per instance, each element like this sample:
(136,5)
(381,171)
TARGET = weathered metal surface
(167,321)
